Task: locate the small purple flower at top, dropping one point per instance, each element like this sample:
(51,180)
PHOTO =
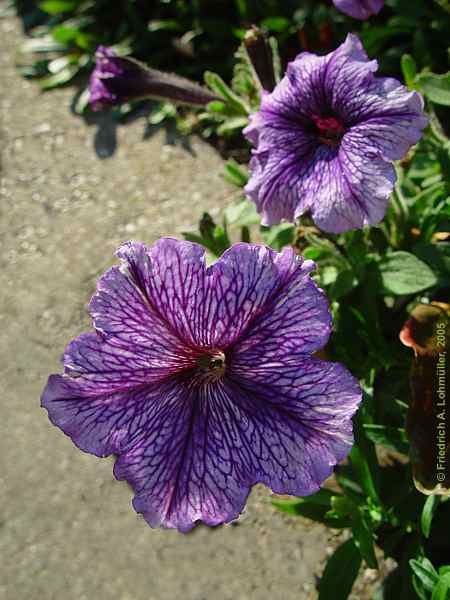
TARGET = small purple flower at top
(359,9)
(325,139)
(202,381)
(118,79)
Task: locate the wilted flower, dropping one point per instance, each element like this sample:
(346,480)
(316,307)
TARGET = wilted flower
(201,380)
(325,138)
(118,79)
(359,9)
(427,333)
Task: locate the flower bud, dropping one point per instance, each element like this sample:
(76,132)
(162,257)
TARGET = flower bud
(118,79)
(261,57)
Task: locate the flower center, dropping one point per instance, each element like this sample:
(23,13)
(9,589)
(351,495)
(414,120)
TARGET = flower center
(212,364)
(329,129)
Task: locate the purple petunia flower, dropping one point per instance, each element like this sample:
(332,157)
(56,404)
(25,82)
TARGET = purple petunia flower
(325,138)
(359,9)
(119,79)
(202,380)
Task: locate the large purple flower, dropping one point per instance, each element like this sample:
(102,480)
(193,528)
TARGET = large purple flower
(201,380)
(118,79)
(359,9)
(325,138)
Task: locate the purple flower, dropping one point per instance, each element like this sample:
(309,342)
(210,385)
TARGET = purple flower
(118,79)
(359,9)
(107,67)
(325,138)
(201,380)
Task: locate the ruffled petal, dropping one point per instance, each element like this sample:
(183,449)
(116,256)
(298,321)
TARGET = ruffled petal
(297,420)
(359,9)
(135,341)
(358,182)
(389,119)
(343,188)
(296,322)
(245,283)
(214,441)
(100,423)
(183,471)
(285,184)
(171,275)
(204,307)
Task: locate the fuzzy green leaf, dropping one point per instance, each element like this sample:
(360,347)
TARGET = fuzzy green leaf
(340,572)
(403,273)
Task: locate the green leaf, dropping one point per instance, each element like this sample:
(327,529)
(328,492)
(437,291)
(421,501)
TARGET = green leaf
(340,572)
(345,282)
(419,589)
(43,44)
(162,111)
(435,87)
(437,256)
(315,507)
(363,472)
(242,214)
(237,175)
(321,498)
(216,106)
(363,456)
(442,588)
(391,437)
(277,24)
(53,7)
(163,25)
(409,69)
(403,273)
(363,538)
(81,101)
(217,84)
(231,125)
(278,236)
(425,571)
(343,506)
(65,34)
(428,511)
(60,78)
(57,64)
(327,275)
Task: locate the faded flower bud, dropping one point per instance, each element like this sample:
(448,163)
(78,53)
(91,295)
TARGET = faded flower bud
(427,332)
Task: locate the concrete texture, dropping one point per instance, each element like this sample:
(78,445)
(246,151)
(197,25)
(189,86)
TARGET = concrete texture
(67,529)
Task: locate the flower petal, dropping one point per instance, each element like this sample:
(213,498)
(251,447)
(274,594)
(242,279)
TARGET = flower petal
(182,470)
(390,119)
(100,424)
(214,441)
(299,419)
(343,188)
(205,308)
(136,341)
(297,322)
(359,9)
(245,283)
(171,275)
